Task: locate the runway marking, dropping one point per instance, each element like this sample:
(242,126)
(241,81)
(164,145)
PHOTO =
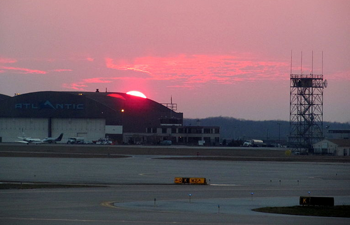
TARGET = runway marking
(112,205)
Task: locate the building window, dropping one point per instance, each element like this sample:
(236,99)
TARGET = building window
(173,130)
(164,130)
(181,140)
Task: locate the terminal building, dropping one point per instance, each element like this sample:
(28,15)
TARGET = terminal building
(120,117)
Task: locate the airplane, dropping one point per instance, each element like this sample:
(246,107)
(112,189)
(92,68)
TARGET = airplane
(50,140)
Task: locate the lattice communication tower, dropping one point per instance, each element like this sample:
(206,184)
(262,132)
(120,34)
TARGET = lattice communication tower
(306,111)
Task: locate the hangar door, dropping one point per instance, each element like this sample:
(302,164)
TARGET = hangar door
(89,129)
(12,128)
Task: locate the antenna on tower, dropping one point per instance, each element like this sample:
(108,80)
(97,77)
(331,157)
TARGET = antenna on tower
(301,62)
(322,62)
(312,63)
(291,61)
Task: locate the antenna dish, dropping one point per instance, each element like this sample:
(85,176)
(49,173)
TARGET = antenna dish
(325,83)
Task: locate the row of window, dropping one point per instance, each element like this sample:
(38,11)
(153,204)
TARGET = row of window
(183,130)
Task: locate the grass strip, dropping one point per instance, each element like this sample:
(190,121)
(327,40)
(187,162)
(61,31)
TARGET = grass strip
(332,211)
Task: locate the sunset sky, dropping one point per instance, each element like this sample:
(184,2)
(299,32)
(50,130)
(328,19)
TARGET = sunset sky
(213,57)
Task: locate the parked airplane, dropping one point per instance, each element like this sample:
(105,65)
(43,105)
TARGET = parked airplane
(51,140)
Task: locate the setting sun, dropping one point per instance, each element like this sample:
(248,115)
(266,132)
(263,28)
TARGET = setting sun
(136,93)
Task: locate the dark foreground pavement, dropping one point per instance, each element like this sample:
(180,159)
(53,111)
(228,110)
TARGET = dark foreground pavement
(134,182)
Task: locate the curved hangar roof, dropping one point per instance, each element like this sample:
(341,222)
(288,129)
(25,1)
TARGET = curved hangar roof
(3,97)
(116,108)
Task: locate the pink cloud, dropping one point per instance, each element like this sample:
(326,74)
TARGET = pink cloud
(23,70)
(80,86)
(7,60)
(124,66)
(97,80)
(74,86)
(62,70)
(203,68)
(190,71)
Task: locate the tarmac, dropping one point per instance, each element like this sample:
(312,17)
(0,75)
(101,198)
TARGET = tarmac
(234,206)
(140,189)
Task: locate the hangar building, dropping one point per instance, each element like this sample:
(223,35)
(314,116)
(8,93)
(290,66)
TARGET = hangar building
(120,117)
(339,147)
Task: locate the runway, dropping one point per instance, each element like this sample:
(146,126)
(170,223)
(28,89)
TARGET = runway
(133,184)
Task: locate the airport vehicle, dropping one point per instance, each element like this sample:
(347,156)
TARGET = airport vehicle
(166,142)
(102,141)
(50,140)
(76,140)
(253,143)
(201,142)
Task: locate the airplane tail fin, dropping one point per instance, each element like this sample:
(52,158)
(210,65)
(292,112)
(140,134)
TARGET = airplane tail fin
(59,137)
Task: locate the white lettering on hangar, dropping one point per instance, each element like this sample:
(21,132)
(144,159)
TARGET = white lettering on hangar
(49,105)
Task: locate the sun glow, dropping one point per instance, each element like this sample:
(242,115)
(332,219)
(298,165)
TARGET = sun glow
(136,93)
(116,96)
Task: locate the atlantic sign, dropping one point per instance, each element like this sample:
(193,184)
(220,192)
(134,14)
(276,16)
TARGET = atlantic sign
(48,105)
